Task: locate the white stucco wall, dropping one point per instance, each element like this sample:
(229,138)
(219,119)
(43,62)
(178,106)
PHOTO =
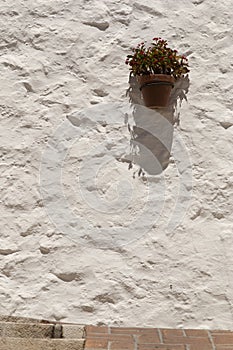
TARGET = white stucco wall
(82,238)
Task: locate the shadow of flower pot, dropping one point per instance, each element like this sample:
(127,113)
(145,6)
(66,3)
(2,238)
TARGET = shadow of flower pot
(151,140)
(152,134)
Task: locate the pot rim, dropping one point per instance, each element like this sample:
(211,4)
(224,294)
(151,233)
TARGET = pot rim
(155,77)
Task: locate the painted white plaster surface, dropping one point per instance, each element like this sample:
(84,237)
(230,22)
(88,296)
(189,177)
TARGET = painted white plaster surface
(82,238)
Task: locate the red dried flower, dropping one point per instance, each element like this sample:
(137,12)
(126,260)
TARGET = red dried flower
(157,59)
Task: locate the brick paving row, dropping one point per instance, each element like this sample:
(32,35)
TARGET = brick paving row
(30,334)
(117,338)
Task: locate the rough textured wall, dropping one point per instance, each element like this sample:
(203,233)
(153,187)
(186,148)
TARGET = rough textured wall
(66,58)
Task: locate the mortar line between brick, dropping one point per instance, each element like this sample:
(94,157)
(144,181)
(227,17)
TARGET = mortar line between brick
(135,339)
(57,331)
(160,335)
(84,344)
(211,340)
(109,332)
(53,331)
(84,333)
(183,331)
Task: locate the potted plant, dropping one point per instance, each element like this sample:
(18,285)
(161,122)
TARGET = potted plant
(156,68)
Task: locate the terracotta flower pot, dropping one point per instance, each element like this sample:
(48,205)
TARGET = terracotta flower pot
(156,89)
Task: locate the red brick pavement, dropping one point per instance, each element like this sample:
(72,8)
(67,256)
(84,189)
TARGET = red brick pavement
(117,338)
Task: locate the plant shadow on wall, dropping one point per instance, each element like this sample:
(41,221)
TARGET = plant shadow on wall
(154,112)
